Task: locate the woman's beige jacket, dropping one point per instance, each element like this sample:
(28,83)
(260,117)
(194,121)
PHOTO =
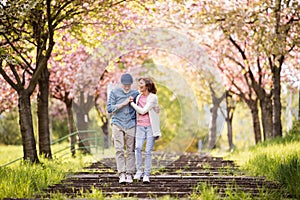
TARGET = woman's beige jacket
(152,101)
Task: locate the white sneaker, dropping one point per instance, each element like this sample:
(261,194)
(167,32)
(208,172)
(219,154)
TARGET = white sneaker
(137,176)
(129,178)
(122,178)
(146,179)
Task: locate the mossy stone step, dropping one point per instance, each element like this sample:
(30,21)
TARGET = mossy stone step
(178,177)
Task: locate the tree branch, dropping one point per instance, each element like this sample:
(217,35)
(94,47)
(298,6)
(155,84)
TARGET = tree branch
(14,71)
(15,49)
(242,52)
(61,9)
(7,79)
(259,70)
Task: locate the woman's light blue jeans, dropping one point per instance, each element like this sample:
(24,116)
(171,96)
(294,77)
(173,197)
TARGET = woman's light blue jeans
(143,133)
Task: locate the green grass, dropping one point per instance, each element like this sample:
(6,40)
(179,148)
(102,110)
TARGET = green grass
(277,160)
(207,192)
(9,153)
(25,180)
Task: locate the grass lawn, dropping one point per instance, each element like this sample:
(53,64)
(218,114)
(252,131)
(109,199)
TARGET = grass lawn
(277,160)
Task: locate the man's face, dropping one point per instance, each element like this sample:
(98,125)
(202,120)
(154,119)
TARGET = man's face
(126,87)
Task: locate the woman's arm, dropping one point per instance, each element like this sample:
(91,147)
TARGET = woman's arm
(149,105)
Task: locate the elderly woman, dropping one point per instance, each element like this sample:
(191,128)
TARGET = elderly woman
(148,126)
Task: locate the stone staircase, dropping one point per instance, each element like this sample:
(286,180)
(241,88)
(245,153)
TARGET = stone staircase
(173,175)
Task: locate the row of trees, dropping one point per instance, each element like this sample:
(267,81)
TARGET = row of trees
(260,40)
(251,43)
(45,46)
(27,30)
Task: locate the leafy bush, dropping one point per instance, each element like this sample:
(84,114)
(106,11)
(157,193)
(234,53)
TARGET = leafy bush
(59,127)
(9,128)
(294,133)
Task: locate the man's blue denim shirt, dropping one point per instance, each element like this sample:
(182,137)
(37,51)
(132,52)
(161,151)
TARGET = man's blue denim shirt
(126,116)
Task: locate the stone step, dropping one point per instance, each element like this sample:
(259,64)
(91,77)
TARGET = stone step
(143,192)
(162,187)
(178,178)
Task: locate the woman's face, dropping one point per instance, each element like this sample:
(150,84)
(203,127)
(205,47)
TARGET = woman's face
(142,86)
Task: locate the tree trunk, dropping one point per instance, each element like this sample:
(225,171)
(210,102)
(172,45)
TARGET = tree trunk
(26,126)
(255,120)
(277,127)
(82,121)
(43,115)
(229,134)
(229,116)
(212,136)
(105,134)
(105,126)
(299,104)
(72,129)
(267,117)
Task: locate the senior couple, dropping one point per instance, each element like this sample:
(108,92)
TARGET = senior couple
(135,120)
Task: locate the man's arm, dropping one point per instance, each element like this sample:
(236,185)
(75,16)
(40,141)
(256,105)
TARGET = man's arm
(112,105)
(124,103)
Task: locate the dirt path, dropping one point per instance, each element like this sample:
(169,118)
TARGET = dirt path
(173,175)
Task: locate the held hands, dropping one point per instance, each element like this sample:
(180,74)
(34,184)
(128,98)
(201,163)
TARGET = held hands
(127,101)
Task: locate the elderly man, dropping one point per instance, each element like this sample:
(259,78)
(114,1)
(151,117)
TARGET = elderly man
(123,127)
